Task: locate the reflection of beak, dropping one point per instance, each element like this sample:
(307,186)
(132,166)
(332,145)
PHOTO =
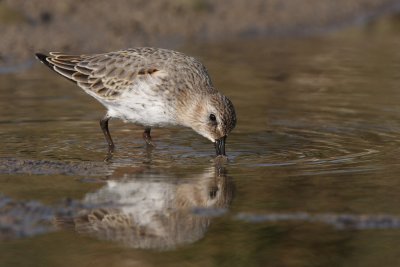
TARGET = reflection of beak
(220,146)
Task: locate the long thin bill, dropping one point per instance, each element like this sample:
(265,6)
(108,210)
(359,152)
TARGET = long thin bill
(220,146)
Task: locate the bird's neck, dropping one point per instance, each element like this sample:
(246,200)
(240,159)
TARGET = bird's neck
(189,112)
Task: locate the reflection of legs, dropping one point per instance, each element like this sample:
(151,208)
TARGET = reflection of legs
(147,136)
(106,132)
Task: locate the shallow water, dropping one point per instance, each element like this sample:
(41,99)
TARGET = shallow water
(312,180)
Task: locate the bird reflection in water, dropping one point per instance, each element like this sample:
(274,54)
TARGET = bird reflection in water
(153,211)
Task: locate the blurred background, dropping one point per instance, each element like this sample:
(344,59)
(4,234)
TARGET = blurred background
(89,26)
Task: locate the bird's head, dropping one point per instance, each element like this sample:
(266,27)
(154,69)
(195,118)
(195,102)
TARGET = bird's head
(213,116)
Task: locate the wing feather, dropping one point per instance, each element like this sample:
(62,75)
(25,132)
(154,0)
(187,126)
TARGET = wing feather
(64,72)
(105,75)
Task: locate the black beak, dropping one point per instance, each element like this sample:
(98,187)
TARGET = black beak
(220,146)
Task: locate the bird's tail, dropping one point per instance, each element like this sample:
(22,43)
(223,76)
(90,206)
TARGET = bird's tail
(60,63)
(43,59)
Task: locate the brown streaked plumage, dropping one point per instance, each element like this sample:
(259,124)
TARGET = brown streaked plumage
(152,87)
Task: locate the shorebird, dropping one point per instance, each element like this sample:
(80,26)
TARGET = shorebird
(151,87)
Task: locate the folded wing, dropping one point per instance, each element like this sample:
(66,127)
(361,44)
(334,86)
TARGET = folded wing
(105,76)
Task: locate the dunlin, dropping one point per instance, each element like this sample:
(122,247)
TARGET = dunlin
(151,87)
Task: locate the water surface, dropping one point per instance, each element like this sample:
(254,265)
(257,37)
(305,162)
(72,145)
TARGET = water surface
(313,176)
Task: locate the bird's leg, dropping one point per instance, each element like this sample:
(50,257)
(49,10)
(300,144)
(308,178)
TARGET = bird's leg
(147,136)
(106,132)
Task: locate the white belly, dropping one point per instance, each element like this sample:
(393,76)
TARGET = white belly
(142,107)
(144,103)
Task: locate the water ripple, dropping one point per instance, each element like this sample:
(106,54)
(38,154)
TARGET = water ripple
(339,221)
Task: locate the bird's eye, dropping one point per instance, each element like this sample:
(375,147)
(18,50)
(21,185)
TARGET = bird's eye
(212,117)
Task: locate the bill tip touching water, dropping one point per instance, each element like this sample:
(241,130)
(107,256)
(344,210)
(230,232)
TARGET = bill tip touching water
(151,87)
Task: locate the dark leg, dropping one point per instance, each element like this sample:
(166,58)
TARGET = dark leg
(147,136)
(106,132)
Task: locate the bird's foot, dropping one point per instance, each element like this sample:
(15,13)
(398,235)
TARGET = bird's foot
(147,138)
(150,144)
(108,157)
(110,153)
